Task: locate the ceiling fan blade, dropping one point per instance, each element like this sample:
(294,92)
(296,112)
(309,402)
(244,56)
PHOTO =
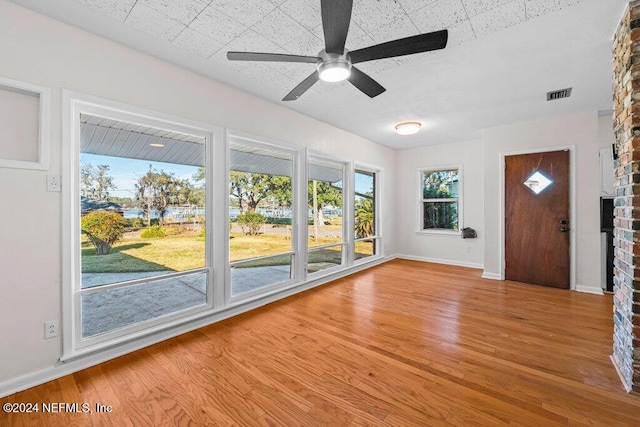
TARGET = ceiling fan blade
(336,17)
(365,83)
(302,87)
(407,46)
(270,57)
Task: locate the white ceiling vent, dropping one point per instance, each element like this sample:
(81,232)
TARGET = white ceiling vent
(559,94)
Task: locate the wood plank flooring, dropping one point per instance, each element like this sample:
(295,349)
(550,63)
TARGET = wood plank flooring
(401,344)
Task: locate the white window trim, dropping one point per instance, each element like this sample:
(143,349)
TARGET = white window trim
(377,237)
(44,116)
(460,198)
(310,154)
(73,104)
(299,255)
(217,191)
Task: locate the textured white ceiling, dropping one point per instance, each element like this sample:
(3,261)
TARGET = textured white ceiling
(211,28)
(502,56)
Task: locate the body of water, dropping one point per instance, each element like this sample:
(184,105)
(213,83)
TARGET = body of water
(186,213)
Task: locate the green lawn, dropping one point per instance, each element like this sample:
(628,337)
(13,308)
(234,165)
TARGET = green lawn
(175,253)
(186,251)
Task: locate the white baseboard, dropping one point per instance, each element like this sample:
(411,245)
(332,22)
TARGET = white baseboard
(589,290)
(492,276)
(440,261)
(622,380)
(32,379)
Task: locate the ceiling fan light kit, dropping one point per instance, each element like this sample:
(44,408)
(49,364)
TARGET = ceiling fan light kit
(335,63)
(333,67)
(408,128)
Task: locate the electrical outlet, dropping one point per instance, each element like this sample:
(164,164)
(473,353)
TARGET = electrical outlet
(51,329)
(53,183)
(468,250)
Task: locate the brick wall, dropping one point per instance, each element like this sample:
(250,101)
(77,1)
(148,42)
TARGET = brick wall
(626,64)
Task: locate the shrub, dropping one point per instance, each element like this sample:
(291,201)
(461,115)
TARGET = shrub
(153,232)
(251,222)
(135,222)
(103,229)
(279,221)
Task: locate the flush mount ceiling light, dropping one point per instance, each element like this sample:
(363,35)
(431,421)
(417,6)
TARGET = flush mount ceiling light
(156,144)
(408,128)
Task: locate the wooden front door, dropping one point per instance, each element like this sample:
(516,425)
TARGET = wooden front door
(537,218)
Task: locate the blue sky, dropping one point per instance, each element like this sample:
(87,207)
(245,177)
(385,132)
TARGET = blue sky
(125,172)
(363,183)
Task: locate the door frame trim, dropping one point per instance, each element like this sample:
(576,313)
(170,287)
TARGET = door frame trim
(572,205)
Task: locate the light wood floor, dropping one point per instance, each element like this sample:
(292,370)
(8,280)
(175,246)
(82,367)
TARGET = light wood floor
(401,344)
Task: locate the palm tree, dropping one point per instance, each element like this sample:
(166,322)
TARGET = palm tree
(364,218)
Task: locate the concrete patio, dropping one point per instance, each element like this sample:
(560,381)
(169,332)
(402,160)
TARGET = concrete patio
(112,309)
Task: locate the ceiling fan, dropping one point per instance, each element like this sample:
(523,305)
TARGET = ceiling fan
(335,63)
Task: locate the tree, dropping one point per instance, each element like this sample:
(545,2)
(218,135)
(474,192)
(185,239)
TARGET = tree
(103,229)
(364,218)
(440,213)
(200,174)
(250,189)
(323,193)
(87,173)
(156,191)
(95,182)
(437,184)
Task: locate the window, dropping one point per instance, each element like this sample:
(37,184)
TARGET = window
(261,213)
(141,226)
(325,236)
(139,210)
(366,243)
(440,199)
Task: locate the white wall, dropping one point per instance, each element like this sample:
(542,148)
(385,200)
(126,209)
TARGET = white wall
(432,247)
(605,130)
(41,51)
(482,193)
(581,130)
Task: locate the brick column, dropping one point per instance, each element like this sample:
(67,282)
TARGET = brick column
(626,64)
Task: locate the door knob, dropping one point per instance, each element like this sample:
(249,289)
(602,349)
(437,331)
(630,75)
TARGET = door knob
(564,229)
(563,221)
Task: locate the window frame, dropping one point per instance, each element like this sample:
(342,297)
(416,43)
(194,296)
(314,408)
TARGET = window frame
(421,200)
(298,263)
(377,237)
(74,345)
(346,185)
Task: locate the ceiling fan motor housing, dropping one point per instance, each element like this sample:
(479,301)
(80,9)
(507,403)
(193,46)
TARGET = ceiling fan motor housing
(334,67)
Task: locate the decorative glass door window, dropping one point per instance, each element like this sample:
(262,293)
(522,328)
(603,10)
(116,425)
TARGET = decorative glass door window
(537,182)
